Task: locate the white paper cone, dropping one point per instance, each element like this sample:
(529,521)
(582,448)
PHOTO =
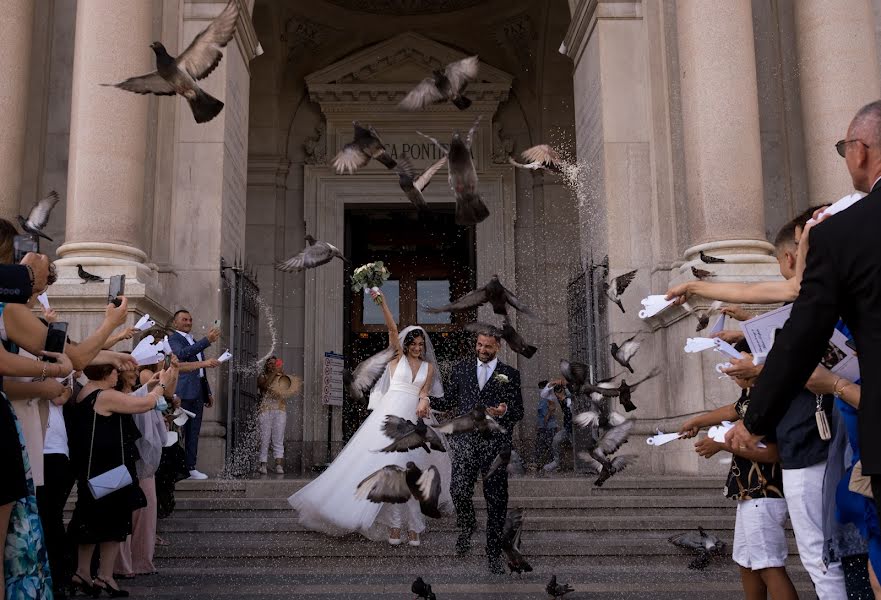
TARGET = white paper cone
(44,300)
(224,357)
(144,323)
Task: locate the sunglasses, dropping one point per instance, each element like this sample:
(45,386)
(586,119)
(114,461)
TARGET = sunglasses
(841,146)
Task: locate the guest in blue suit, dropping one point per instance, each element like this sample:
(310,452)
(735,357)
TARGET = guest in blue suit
(192,387)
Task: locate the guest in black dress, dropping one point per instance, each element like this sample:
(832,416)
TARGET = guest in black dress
(106,521)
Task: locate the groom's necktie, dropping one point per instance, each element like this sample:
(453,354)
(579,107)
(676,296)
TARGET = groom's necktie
(481,375)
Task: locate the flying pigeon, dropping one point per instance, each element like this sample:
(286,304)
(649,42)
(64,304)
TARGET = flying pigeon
(408,435)
(360,381)
(623,353)
(710,259)
(448,84)
(701,273)
(356,154)
(703,316)
(413,184)
(507,333)
(556,590)
(86,276)
(541,157)
(470,208)
(501,461)
(422,590)
(704,544)
(616,287)
(511,533)
(395,485)
(39,215)
(625,390)
(575,373)
(178,75)
(315,254)
(493,292)
(476,420)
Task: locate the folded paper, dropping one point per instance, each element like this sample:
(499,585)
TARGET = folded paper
(144,323)
(662,438)
(717,433)
(726,348)
(718,326)
(44,300)
(170,439)
(653,305)
(699,344)
(224,357)
(840,205)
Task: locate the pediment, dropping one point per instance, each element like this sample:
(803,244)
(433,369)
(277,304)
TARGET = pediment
(386,71)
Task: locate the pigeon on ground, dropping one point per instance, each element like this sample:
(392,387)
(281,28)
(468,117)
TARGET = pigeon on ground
(511,533)
(86,276)
(395,485)
(507,333)
(710,259)
(703,316)
(616,287)
(315,254)
(413,184)
(422,590)
(556,590)
(470,208)
(356,154)
(701,273)
(623,353)
(705,545)
(39,215)
(408,435)
(475,420)
(448,84)
(541,157)
(493,292)
(501,461)
(178,75)
(360,381)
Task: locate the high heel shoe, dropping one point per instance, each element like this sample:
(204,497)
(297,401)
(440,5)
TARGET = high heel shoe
(89,589)
(111,591)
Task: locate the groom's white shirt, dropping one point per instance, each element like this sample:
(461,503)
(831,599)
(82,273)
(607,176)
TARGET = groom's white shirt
(490,368)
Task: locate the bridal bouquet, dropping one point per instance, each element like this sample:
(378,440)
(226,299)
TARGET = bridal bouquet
(370,277)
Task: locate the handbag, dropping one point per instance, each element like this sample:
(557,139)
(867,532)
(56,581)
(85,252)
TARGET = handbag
(112,480)
(859,483)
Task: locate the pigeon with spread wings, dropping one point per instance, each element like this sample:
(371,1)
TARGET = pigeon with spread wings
(395,485)
(39,215)
(442,86)
(511,534)
(625,352)
(365,145)
(616,287)
(493,292)
(541,157)
(413,184)
(178,75)
(315,254)
(360,381)
(475,420)
(407,435)
(507,333)
(705,545)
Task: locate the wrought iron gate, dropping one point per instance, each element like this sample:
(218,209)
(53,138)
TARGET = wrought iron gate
(241,304)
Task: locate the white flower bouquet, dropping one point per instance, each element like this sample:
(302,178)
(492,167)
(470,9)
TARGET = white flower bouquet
(370,277)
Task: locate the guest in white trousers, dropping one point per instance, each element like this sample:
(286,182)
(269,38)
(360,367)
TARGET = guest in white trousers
(275,387)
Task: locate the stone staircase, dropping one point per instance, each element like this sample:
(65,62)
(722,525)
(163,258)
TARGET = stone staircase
(239,539)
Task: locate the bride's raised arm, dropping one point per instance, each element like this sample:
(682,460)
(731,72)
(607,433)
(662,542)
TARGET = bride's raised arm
(393,340)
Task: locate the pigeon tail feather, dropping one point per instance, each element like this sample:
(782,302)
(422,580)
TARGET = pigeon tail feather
(470,209)
(204,106)
(462,102)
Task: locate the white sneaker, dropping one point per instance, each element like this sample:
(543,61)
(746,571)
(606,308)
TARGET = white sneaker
(414,542)
(194,474)
(279,469)
(262,469)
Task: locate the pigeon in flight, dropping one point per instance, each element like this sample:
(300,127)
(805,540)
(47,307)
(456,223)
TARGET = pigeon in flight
(408,435)
(356,154)
(557,590)
(616,287)
(178,75)
(39,215)
(475,420)
(395,485)
(360,381)
(445,85)
(507,333)
(703,316)
(86,276)
(470,208)
(493,292)
(501,461)
(705,545)
(710,259)
(511,533)
(575,373)
(701,273)
(623,353)
(422,590)
(315,254)
(413,184)
(541,157)
(624,390)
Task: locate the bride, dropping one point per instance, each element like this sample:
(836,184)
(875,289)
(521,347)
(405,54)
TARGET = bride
(328,504)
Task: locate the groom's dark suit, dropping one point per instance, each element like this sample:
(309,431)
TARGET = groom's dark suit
(473,453)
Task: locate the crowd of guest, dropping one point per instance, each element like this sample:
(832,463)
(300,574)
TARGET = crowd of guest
(95,418)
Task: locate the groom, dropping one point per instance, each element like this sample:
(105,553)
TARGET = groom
(482,380)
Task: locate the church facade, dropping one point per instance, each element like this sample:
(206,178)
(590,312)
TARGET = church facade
(691,126)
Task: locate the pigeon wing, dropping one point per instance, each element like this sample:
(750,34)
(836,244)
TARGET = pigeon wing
(428,489)
(434,440)
(466,302)
(204,53)
(542,154)
(460,424)
(387,484)
(151,83)
(405,443)
(615,437)
(396,427)
(368,372)
(39,214)
(295,263)
(424,94)
(350,159)
(480,326)
(591,464)
(425,178)
(628,350)
(690,540)
(462,71)
(511,299)
(619,463)
(622,281)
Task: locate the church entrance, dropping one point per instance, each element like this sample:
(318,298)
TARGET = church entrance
(431,260)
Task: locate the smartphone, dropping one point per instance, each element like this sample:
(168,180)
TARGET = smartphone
(117,288)
(22,244)
(56,337)
(167,362)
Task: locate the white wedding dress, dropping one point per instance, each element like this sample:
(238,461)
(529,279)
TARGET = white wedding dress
(328,503)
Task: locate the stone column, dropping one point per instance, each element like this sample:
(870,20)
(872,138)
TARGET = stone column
(838,73)
(16,28)
(108,135)
(720,123)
